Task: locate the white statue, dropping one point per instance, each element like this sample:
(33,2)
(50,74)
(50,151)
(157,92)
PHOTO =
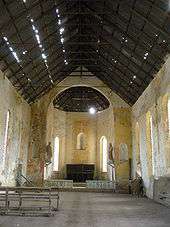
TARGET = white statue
(110,163)
(48,155)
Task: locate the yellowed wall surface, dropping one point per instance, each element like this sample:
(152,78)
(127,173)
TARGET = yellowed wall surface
(122,133)
(154,155)
(77,123)
(18,132)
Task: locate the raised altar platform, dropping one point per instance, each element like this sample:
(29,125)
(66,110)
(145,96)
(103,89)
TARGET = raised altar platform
(100,184)
(88,186)
(59,183)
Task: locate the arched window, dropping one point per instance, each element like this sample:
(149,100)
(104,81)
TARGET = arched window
(149,142)
(56,153)
(137,137)
(169,115)
(45,172)
(103,149)
(81,143)
(137,140)
(152,142)
(5,139)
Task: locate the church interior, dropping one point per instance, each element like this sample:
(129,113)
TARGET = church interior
(85,112)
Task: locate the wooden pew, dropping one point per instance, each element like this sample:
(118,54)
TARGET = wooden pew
(22,200)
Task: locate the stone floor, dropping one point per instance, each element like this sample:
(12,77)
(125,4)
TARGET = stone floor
(79,209)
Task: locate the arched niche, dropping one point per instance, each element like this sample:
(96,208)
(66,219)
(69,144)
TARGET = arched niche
(124,156)
(81,141)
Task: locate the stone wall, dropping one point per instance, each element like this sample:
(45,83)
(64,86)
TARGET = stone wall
(155,148)
(37,143)
(18,131)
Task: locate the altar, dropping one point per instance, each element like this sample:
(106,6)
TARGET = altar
(80,172)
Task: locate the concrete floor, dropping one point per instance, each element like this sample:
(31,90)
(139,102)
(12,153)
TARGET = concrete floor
(79,209)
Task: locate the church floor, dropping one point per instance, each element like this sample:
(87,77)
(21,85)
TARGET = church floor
(79,209)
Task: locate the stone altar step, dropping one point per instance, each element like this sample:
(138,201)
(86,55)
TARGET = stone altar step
(79,184)
(84,189)
(89,186)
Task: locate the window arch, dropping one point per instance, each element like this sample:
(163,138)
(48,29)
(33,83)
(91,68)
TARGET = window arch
(137,142)
(5,138)
(81,142)
(103,151)
(149,142)
(56,153)
(169,115)
(137,137)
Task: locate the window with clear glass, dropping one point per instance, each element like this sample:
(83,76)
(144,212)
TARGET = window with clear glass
(169,115)
(5,138)
(103,148)
(56,154)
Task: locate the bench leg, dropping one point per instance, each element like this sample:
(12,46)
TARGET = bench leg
(50,209)
(6,202)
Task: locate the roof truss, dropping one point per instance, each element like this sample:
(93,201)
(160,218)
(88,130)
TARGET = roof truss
(124,43)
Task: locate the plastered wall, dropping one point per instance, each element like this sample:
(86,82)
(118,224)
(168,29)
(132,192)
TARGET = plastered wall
(154,153)
(18,131)
(75,124)
(123,135)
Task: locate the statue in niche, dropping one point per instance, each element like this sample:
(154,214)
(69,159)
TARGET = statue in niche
(18,174)
(110,163)
(81,141)
(110,153)
(48,154)
(123,152)
(138,170)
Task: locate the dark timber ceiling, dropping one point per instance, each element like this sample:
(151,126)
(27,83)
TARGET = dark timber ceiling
(122,42)
(80,99)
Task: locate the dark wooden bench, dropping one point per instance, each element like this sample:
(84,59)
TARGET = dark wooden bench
(164,198)
(137,187)
(29,201)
